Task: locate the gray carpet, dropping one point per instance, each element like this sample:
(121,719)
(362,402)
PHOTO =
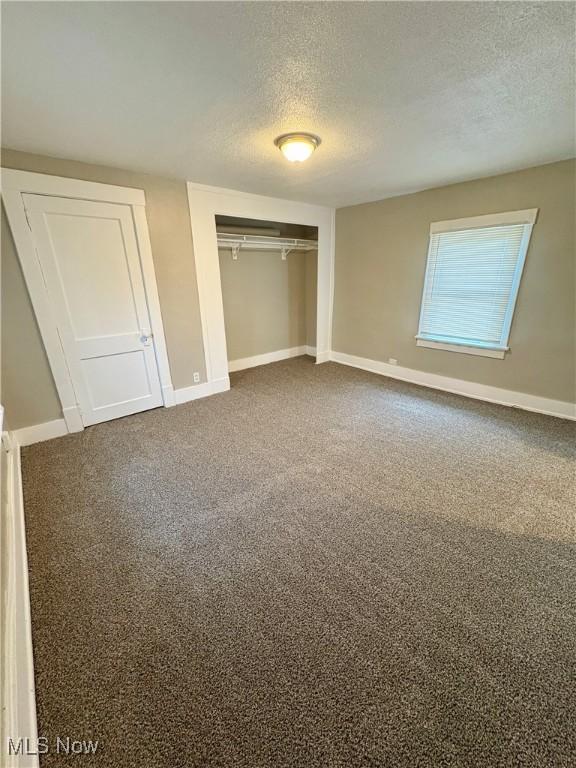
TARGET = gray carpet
(321,567)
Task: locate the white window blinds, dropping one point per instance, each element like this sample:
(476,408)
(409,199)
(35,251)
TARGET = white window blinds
(472,278)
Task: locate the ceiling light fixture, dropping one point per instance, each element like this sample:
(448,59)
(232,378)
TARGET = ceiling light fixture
(297,147)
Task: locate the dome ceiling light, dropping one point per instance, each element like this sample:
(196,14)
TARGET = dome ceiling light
(297,147)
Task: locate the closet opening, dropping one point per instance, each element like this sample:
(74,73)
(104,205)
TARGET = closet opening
(269,280)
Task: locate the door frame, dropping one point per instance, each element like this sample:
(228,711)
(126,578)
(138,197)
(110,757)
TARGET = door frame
(14,185)
(206,203)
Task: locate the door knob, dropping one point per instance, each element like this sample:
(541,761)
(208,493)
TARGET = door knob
(146,338)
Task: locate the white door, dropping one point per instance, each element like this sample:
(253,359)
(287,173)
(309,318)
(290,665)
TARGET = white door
(89,257)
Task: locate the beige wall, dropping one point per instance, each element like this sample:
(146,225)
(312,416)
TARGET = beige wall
(381,258)
(380,262)
(28,392)
(266,301)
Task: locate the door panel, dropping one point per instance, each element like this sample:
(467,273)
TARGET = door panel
(94,274)
(116,379)
(89,258)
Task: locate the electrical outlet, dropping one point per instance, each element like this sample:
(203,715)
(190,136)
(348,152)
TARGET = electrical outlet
(196,378)
(392,361)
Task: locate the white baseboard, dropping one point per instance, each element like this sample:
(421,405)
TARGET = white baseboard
(267,357)
(40,432)
(73,419)
(168,395)
(490,394)
(57,428)
(323,357)
(186,394)
(310,351)
(18,716)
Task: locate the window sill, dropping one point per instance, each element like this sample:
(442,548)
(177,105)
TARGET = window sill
(466,349)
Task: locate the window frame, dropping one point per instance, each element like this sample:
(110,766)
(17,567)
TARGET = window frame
(526,217)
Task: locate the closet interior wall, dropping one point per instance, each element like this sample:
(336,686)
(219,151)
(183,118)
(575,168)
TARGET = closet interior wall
(269,302)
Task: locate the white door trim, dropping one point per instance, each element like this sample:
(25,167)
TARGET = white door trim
(60,186)
(14,185)
(205,203)
(17,695)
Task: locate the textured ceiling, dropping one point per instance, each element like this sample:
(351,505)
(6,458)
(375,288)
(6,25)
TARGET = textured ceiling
(404,95)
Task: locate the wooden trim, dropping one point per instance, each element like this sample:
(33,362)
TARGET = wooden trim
(207,202)
(186,394)
(527,216)
(18,700)
(466,349)
(37,433)
(60,186)
(153,299)
(515,287)
(267,357)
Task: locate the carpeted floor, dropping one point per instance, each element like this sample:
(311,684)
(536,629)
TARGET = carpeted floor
(321,567)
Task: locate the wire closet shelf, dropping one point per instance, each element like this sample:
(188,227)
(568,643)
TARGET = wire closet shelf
(262,243)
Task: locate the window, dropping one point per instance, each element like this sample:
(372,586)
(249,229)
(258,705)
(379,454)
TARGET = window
(472,278)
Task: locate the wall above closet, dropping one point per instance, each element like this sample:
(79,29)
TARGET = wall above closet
(245,226)
(258,235)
